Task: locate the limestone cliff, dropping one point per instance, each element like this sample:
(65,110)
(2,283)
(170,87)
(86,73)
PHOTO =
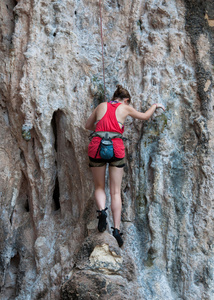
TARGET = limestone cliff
(50,81)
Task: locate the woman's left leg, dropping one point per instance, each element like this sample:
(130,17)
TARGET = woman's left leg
(115,175)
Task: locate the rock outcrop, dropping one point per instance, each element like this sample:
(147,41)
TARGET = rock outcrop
(101,270)
(50,81)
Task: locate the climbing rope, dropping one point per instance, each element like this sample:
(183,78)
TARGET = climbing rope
(101,33)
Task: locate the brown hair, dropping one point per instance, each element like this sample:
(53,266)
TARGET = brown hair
(121,93)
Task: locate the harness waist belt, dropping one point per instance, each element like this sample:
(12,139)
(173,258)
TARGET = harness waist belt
(111,135)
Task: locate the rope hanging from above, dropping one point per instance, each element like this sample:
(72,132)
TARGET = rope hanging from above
(101,33)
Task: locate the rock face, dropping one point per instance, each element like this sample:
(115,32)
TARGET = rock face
(51,80)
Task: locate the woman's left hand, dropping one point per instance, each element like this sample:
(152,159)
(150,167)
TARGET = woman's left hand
(159,105)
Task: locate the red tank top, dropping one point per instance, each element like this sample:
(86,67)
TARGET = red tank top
(108,123)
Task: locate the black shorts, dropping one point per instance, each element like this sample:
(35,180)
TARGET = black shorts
(114,162)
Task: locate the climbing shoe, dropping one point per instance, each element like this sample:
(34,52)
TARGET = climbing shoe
(102,219)
(116,233)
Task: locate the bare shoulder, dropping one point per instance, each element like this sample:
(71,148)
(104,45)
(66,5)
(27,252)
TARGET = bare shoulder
(102,105)
(101,110)
(125,109)
(122,112)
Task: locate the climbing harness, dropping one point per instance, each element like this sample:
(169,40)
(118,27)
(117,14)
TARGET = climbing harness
(102,134)
(101,34)
(106,148)
(111,135)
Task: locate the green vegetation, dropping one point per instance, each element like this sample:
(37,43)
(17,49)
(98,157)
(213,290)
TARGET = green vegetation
(139,23)
(99,95)
(155,128)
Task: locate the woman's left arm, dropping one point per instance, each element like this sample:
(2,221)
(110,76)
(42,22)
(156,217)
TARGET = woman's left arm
(90,123)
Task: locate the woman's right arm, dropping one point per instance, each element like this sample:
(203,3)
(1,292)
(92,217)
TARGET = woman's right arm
(144,116)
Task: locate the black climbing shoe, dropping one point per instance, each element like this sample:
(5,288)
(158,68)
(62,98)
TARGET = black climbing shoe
(102,219)
(116,233)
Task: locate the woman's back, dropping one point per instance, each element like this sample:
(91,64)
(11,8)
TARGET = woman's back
(120,112)
(109,121)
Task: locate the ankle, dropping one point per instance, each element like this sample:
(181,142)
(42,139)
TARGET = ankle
(101,210)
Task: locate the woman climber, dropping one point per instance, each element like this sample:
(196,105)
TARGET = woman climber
(107,123)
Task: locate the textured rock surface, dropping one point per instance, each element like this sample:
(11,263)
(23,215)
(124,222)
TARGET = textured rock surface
(102,271)
(51,79)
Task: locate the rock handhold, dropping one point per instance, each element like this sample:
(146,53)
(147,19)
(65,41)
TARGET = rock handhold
(26,132)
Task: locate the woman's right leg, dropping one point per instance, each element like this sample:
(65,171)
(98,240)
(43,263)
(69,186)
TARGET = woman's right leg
(116,175)
(99,183)
(100,196)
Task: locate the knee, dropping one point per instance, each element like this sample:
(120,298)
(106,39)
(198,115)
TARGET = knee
(99,188)
(115,193)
